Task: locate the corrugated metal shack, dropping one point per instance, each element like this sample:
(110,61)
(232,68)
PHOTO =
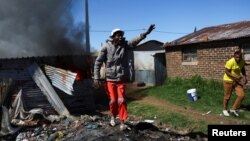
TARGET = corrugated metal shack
(15,76)
(149,63)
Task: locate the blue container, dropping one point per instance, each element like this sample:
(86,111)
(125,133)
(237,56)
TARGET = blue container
(192,96)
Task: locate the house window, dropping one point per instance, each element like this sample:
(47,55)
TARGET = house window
(189,55)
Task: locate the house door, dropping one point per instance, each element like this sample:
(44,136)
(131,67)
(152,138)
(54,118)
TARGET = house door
(160,68)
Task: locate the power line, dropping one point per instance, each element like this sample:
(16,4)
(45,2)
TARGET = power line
(127,30)
(171,32)
(110,30)
(99,31)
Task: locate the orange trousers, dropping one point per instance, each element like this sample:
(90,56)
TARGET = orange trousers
(117,103)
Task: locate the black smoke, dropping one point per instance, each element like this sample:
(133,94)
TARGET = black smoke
(39,28)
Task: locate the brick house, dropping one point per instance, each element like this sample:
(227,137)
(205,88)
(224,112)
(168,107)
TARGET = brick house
(204,52)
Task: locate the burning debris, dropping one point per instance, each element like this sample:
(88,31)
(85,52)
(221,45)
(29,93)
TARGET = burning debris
(36,110)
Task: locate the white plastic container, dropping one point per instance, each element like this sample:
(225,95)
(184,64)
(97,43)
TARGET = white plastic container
(192,96)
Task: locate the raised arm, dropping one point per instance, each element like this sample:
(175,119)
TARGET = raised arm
(137,40)
(150,29)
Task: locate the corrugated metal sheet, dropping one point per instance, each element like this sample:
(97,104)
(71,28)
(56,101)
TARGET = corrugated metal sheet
(45,86)
(33,97)
(146,76)
(214,33)
(81,101)
(16,70)
(62,79)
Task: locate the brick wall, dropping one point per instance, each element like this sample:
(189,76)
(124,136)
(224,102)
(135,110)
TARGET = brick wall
(211,62)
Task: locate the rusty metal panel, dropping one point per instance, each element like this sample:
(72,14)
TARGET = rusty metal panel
(62,79)
(214,33)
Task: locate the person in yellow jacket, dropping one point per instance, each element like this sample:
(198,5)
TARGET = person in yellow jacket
(234,79)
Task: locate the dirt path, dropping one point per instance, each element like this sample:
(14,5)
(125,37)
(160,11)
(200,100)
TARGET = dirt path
(217,119)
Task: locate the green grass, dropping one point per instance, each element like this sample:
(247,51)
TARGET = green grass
(174,90)
(210,93)
(174,120)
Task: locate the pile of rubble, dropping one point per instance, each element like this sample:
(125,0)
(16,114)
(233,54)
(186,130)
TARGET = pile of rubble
(96,127)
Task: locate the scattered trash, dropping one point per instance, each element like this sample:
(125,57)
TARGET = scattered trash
(206,113)
(55,136)
(149,121)
(84,128)
(21,136)
(167,129)
(155,117)
(91,126)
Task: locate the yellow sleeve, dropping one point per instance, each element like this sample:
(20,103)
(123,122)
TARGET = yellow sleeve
(229,64)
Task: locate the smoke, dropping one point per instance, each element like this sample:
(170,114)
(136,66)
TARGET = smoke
(39,28)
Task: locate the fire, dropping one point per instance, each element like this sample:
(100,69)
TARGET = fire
(78,77)
(82,74)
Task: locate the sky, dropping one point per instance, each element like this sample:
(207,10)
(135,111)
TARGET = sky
(172,18)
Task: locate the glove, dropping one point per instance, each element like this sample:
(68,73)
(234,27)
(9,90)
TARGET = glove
(96,84)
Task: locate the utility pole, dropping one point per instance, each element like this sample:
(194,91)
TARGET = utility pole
(87,48)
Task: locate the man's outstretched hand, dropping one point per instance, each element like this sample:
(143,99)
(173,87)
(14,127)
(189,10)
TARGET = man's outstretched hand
(150,28)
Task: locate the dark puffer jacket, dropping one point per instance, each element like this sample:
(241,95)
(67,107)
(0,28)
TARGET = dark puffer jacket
(115,58)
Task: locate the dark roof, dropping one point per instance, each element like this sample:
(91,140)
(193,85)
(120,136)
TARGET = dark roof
(215,33)
(151,41)
(150,45)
